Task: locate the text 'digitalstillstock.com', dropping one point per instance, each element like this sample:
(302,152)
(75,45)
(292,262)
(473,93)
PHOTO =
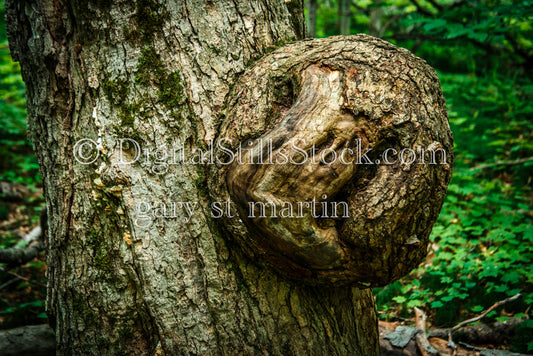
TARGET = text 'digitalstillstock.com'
(160,161)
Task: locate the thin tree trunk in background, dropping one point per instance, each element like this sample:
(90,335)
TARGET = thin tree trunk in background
(344,16)
(375,27)
(311,17)
(160,73)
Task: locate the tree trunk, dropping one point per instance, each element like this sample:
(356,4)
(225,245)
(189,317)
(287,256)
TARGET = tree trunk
(138,261)
(375,27)
(311,18)
(345,15)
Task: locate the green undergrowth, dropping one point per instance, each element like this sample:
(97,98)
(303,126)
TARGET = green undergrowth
(18,163)
(482,242)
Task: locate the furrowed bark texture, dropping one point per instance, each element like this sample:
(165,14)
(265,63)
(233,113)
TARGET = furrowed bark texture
(126,275)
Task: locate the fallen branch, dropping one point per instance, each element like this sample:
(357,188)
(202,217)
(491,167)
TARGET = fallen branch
(33,281)
(18,256)
(482,315)
(489,352)
(37,340)
(33,235)
(451,344)
(421,338)
(8,283)
(482,334)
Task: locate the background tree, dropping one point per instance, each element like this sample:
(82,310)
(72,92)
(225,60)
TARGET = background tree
(311,7)
(345,15)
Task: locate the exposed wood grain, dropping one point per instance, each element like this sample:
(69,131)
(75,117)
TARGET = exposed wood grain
(336,98)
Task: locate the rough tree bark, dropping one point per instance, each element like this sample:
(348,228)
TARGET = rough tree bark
(138,262)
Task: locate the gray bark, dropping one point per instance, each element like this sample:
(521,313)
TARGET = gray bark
(375,27)
(345,15)
(311,18)
(123,278)
(35,340)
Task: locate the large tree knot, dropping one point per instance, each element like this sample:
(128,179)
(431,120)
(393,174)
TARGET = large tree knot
(335,154)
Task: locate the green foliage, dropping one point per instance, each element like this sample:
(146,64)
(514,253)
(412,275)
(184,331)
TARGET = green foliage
(18,164)
(498,27)
(22,291)
(482,252)
(456,34)
(327,19)
(23,314)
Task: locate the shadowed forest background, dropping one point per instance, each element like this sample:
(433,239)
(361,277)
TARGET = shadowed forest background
(482,243)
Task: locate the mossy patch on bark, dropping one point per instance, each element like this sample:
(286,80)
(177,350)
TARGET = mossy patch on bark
(152,72)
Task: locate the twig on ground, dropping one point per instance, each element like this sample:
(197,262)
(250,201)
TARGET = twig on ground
(482,333)
(18,256)
(482,315)
(421,338)
(29,280)
(452,345)
(11,281)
